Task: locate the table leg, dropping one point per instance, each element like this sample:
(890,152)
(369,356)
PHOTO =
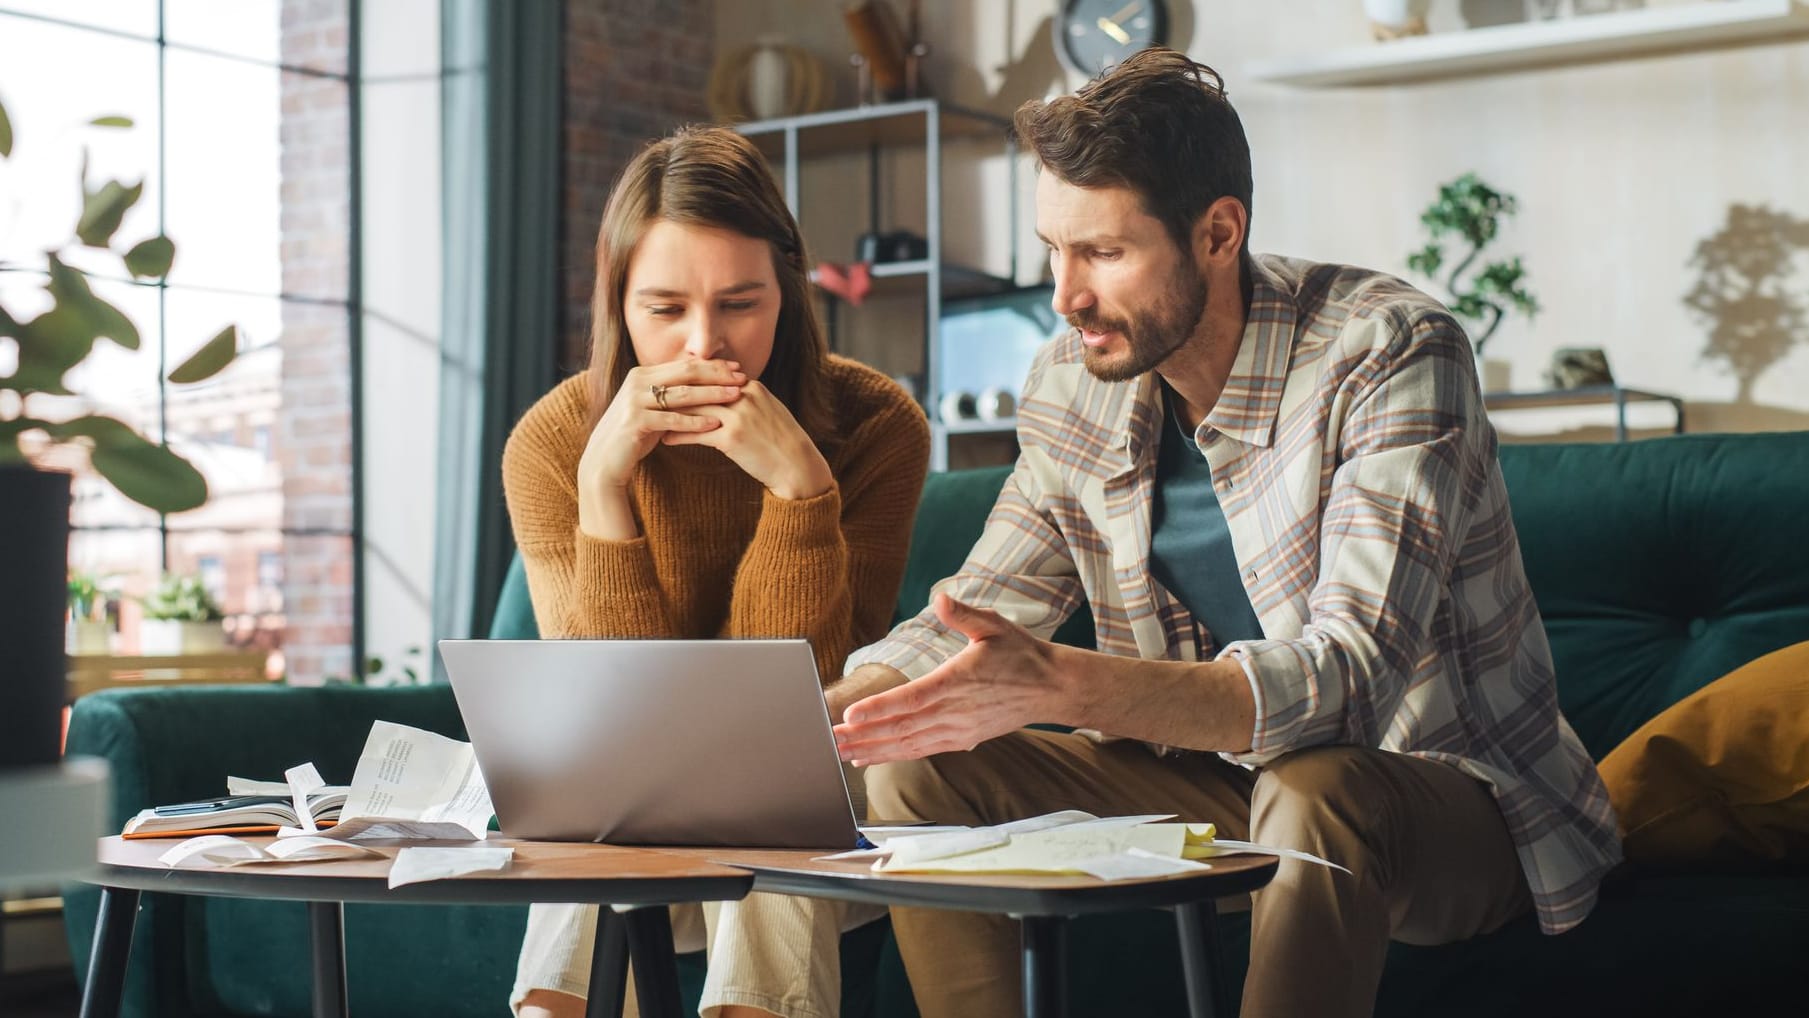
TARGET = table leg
(105,985)
(655,964)
(608,966)
(1045,966)
(326,938)
(1201,960)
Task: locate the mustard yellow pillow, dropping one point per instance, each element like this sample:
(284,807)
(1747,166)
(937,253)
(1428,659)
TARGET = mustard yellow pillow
(1721,779)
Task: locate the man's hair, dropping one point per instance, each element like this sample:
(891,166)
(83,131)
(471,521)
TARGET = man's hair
(1157,124)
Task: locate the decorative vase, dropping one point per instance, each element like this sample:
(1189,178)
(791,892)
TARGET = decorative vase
(768,71)
(34,544)
(175,636)
(1396,19)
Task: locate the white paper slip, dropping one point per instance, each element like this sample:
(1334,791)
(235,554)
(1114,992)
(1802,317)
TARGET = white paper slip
(909,851)
(1136,864)
(220,850)
(415,865)
(415,784)
(1220,846)
(1147,818)
(304,780)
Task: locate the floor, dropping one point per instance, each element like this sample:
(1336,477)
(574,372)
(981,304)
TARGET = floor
(40,995)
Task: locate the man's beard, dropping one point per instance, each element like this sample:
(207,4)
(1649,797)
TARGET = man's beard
(1149,336)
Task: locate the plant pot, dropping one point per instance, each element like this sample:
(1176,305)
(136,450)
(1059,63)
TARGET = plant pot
(88,636)
(173,636)
(34,544)
(1495,375)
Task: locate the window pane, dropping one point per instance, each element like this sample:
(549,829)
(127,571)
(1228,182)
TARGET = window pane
(40,201)
(311,34)
(138,17)
(232,565)
(216,422)
(125,563)
(113,381)
(317,608)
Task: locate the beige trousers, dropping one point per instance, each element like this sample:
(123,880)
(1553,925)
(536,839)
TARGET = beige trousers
(769,951)
(1430,855)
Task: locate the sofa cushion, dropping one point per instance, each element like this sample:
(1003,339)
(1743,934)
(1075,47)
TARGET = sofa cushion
(1660,565)
(1722,777)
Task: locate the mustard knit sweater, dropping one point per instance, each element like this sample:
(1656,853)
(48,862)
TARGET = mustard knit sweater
(719,555)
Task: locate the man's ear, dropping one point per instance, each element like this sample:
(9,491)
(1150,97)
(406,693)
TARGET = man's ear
(1218,235)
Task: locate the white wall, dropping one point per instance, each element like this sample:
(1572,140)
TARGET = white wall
(402,265)
(1621,169)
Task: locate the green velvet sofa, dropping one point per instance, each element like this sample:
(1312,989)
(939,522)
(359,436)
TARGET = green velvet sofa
(1659,566)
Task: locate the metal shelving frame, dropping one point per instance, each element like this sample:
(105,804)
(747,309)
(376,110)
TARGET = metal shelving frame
(925,122)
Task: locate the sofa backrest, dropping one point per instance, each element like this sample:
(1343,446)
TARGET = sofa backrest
(1658,565)
(1661,565)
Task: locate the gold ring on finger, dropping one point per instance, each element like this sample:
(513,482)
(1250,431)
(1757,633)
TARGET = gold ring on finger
(659,396)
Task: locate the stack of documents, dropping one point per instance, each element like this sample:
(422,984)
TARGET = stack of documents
(1070,842)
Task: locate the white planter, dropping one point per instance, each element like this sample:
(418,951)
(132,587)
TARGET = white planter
(87,636)
(1495,375)
(169,636)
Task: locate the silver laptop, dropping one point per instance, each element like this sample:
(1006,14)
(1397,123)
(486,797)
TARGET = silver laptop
(654,742)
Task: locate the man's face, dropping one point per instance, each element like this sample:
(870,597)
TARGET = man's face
(1135,296)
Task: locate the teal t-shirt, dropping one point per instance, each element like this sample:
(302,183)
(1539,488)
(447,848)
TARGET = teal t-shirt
(1190,540)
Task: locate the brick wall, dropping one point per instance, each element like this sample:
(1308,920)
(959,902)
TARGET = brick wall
(312,440)
(634,70)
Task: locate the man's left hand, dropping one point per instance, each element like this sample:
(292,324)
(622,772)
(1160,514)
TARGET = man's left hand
(1004,679)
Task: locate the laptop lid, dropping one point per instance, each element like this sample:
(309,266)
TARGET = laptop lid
(654,742)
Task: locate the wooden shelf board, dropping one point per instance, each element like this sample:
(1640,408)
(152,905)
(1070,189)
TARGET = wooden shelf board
(1579,39)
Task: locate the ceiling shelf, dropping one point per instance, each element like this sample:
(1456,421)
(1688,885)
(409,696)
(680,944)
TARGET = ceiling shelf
(1571,40)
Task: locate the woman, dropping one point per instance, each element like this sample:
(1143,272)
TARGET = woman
(716,473)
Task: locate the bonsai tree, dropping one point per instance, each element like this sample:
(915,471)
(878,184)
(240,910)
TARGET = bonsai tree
(181,599)
(50,344)
(1470,212)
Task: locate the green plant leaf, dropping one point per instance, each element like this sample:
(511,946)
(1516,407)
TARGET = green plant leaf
(142,470)
(373,665)
(95,316)
(6,132)
(112,121)
(151,259)
(210,360)
(49,345)
(102,211)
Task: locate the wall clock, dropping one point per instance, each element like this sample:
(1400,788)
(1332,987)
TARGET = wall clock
(1093,35)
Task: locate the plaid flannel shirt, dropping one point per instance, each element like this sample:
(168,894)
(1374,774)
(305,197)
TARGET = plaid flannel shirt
(1359,477)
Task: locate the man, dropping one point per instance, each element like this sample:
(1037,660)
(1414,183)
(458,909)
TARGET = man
(1274,484)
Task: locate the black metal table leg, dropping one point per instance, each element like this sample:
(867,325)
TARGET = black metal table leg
(655,964)
(1045,966)
(608,966)
(326,938)
(105,985)
(1201,961)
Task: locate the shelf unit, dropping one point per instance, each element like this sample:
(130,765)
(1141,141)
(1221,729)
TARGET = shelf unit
(1572,40)
(920,123)
(1588,395)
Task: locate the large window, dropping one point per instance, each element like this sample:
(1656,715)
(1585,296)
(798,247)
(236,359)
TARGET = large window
(242,135)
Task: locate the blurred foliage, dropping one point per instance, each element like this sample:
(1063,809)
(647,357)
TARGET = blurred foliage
(55,342)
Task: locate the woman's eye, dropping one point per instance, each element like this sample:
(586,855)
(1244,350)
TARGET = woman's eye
(739,305)
(665,310)
(1107,256)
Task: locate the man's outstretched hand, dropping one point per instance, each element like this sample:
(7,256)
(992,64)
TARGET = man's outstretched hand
(1004,679)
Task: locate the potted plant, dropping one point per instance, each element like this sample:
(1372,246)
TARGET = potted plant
(89,632)
(1469,212)
(39,352)
(181,617)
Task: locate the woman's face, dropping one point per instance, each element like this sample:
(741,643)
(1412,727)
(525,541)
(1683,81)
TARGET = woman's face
(701,293)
